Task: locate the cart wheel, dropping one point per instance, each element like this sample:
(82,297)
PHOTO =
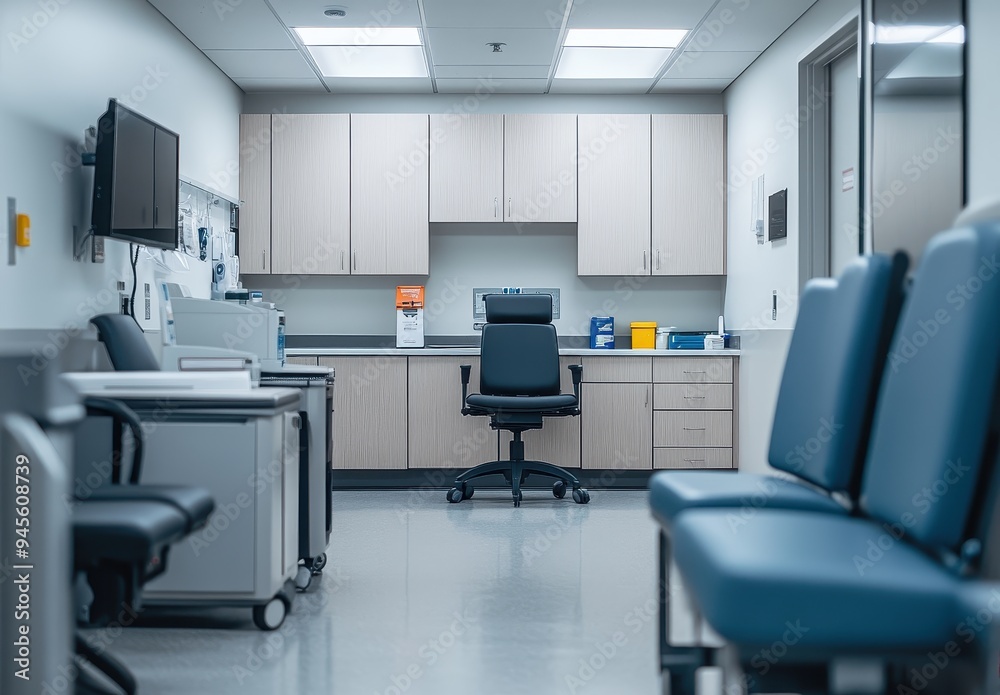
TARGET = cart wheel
(271,615)
(318,563)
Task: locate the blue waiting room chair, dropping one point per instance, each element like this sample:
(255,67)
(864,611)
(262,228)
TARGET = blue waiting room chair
(836,356)
(807,601)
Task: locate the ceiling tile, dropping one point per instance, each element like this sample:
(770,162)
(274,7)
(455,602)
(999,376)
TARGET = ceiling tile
(639,14)
(503,72)
(467,46)
(683,86)
(360,13)
(540,14)
(252,84)
(628,86)
(448,86)
(747,26)
(711,64)
(211,24)
(382,85)
(262,64)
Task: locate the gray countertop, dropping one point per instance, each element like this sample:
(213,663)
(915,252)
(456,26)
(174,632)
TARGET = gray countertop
(453,351)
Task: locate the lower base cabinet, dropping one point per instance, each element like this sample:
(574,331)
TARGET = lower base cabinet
(617,426)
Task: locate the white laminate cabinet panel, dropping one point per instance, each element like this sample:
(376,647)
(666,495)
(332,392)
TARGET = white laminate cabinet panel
(466,168)
(693,428)
(310,194)
(369,419)
(693,369)
(689,204)
(617,369)
(614,194)
(693,396)
(617,426)
(539,167)
(389,194)
(692,458)
(255,192)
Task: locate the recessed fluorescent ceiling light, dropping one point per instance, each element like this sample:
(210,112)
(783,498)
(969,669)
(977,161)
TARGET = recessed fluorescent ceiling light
(919,33)
(370,61)
(359,36)
(625,38)
(610,63)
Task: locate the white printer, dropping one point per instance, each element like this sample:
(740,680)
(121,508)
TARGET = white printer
(256,328)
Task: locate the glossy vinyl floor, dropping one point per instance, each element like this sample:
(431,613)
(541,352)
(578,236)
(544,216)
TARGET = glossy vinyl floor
(422,596)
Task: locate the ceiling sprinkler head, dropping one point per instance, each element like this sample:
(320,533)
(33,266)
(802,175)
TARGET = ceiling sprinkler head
(335,11)
(497,46)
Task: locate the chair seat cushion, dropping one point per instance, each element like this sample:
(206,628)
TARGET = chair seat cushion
(671,492)
(524,403)
(195,503)
(843,582)
(123,531)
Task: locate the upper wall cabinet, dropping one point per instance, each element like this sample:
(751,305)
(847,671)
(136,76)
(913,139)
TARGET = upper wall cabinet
(466,168)
(496,168)
(310,194)
(389,194)
(539,170)
(689,194)
(255,192)
(614,176)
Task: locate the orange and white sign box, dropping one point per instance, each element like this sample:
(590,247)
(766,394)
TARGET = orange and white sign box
(409,316)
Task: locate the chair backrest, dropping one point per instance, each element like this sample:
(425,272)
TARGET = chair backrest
(127,348)
(832,372)
(520,349)
(936,408)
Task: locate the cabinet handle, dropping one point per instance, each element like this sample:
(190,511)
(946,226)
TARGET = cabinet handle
(646,404)
(694,460)
(263,260)
(496,207)
(702,371)
(355,256)
(695,398)
(509,213)
(643,260)
(694,429)
(657,259)
(341,259)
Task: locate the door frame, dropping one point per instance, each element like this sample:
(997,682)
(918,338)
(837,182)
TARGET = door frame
(814,146)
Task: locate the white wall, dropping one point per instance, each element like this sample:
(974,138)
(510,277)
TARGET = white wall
(983,100)
(762,108)
(492,255)
(60,61)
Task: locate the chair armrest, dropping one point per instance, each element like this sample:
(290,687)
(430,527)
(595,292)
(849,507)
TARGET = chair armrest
(577,370)
(466,373)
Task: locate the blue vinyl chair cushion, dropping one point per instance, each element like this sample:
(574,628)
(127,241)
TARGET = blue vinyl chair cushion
(817,571)
(672,493)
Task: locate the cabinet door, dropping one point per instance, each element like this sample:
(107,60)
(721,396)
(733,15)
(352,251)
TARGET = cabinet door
(689,194)
(255,192)
(539,175)
(440,436)
(389,191)
(466,168)
(617,426)
(614,210)
(310,195)
(558,441)
(369,418)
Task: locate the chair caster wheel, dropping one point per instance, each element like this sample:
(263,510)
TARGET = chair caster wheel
(303,578)
(581,496)
(318,563)
(454,495)
(559,489)
(272,614)
(467,492)
(518,496)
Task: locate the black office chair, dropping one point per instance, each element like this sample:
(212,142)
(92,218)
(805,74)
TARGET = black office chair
(519,386)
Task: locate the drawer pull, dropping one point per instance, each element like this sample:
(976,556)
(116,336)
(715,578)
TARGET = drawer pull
(694,460)
(694,429)
(697,371)
(694,398)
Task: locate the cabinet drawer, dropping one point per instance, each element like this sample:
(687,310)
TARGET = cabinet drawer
(693,458)
(614,369)
(687,369)
(693,396)
(693,428)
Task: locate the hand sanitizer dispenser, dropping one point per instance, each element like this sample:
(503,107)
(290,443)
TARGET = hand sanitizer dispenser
(409,316)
